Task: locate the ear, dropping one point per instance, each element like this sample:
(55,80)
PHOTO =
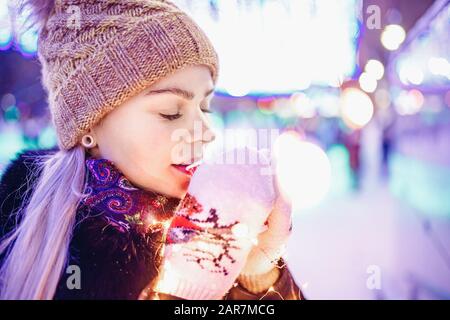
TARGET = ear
(88,138)
(93,133)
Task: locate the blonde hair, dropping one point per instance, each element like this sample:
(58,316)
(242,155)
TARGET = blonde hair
(40,243)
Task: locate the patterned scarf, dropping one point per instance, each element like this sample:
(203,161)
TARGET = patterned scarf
(124,205)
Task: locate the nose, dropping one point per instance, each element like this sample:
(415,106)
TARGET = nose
(208,134)
(200,135)
(202,131)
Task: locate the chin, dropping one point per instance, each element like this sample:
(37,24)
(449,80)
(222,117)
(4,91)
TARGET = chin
(174,191)
(179,193)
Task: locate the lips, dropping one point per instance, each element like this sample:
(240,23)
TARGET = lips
(183,169)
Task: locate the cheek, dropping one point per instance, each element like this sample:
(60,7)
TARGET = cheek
(142,148)
(148,144)
(135,139)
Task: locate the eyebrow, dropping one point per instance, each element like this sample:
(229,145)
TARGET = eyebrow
(188,95)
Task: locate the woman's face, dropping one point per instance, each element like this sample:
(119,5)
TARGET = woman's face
(164,125)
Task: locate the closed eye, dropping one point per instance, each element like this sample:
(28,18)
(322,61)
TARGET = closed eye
(170,116)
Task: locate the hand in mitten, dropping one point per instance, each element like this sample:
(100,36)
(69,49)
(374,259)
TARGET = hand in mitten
(214,228)
(271,243)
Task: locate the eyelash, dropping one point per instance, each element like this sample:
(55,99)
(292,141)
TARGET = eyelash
(172,117)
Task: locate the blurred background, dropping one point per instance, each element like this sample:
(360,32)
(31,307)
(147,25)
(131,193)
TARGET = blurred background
(355,97)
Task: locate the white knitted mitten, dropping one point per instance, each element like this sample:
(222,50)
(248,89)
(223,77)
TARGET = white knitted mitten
(272,242)
(215,227)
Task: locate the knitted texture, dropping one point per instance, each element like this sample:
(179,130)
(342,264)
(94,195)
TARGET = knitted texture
(257,283)
(216,224)
(95,54)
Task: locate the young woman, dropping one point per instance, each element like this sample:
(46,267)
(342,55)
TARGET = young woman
(129,84)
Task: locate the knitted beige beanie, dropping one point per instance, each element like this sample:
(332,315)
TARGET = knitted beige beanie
(95,54)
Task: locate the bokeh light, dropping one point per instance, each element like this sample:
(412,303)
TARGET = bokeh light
(356,108)
(6,33)
(276,36)
(375,68)
(303,170)
(409,102)
(393,36)
(367,82)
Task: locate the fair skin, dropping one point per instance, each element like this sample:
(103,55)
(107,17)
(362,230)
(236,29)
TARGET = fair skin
(163,125)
